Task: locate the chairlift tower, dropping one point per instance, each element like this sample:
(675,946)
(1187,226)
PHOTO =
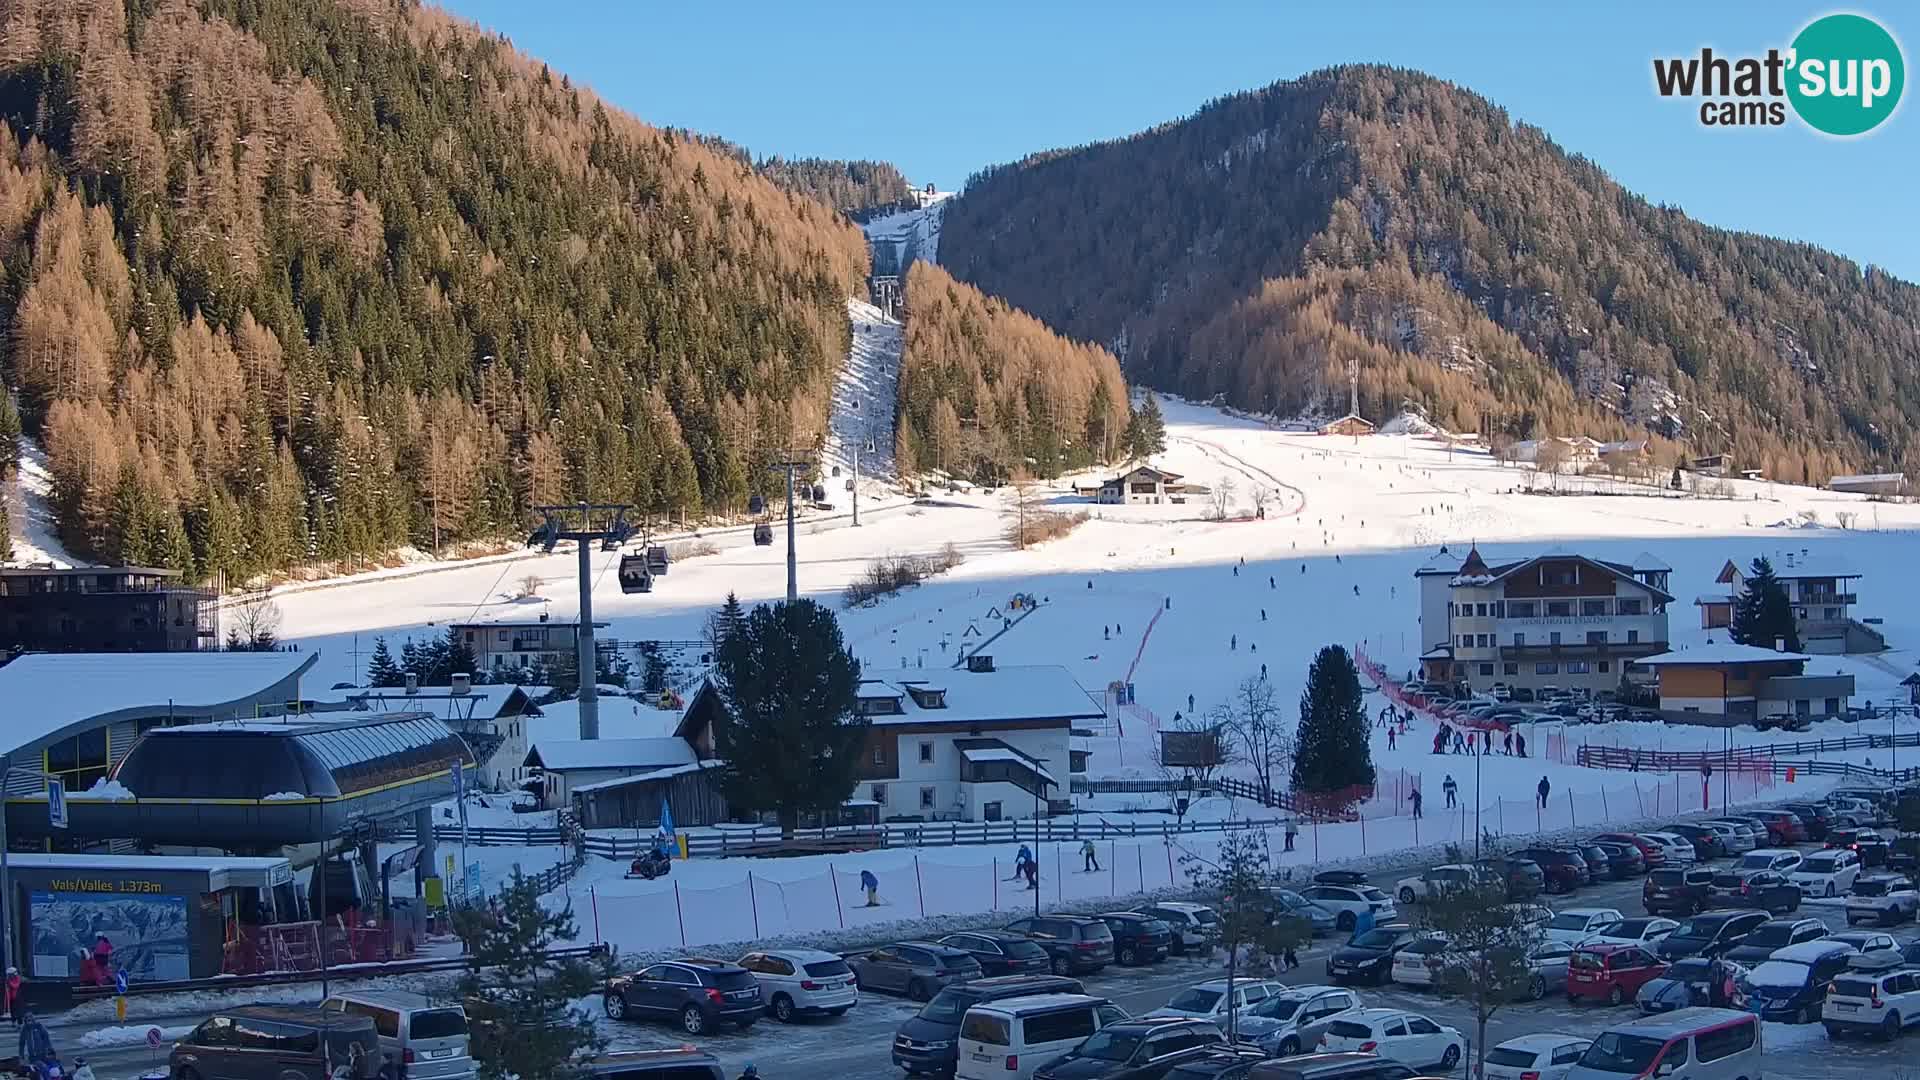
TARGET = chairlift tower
(585,522)
(791,464)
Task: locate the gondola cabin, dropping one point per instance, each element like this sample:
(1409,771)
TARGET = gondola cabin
(763,534)
(657,560)
(819,493)
(634,575)
(756,505)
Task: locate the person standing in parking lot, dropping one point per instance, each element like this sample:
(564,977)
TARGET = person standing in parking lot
(1544,788)
(1292,833)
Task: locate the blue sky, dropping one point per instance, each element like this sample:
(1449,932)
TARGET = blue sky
(944,90)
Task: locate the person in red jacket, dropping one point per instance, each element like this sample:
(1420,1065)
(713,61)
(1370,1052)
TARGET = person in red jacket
(10,993)
(103,958)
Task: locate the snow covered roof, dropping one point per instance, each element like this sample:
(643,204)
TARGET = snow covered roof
(1725,652)
(479,703)
(1030,692)
(42,861)
(1712,598)
(47,693)
(646,777)
(995,750)
(563,754)
(1647,562)
(1442,562)
(507,624)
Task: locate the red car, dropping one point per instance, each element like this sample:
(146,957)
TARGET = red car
(1612,973)
(1785,826)
(1653,853)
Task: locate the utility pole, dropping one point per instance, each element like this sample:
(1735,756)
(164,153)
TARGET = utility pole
(577,522)
(856,485)
(791,464)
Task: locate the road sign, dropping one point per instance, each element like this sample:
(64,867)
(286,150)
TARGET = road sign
(153,1038)
(120,981)
(57,803)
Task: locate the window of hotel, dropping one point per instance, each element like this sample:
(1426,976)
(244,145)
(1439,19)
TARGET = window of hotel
(1603,666)
(926,797)
(1486,669)
(926,751)
(79,761)
(1559,607)
(1633,637)
(1484,641)
(1480,610)
(1466,641)
(1630,605)
(1511,669)
(1596,637)
(1546,668)
(1519,640)
(1593,607)
(880,794)
(1522,609)
(1830,613)
(1553,637)
(1558,573)
(1576,667)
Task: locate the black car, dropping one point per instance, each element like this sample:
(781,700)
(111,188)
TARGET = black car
(1791,991)
(926,1042)
(1340,877)
(1074,943)
(1678,890)
(1000,952)
(1563,871)
(698,993)
(1217,1063)
(1142,1049)
(1525,879)
(1138,939)
(1599,862)
(1775,934)
(1873,847)
(1346,1066)
(679,1063)
(1817,817)
(1623,860)
(1368,958)
(1768,890)
(1710,935)
(1706,843)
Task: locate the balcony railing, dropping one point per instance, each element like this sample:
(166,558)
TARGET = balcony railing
(1837,598)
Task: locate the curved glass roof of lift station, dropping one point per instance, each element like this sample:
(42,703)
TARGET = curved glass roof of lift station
(300,759)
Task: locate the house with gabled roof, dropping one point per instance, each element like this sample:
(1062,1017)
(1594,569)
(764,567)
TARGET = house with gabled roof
(1142,484)
(1822,591)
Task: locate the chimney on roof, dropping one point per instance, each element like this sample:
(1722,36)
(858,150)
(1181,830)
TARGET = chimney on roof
(413,682)
(979,662)
(1779,644)
(462,682)
(543,616)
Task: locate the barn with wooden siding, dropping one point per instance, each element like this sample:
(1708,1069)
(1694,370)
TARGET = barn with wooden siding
(631,802)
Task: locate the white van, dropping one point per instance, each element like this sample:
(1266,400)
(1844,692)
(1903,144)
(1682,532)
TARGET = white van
(1009,1038)
(419,1039)
(1694,1044)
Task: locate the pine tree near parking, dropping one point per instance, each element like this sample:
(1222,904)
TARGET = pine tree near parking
(381,670)
(1762,616)
(792,741)
(1487,963)
(1331,751)
(519,999)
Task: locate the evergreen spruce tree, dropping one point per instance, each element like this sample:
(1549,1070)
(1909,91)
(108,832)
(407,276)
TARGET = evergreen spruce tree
(411,662)
(381,670)
(792,742)
(522,999)
(459,658)
(9,433)
(6,530)
(1762,616)
(725,621)
(1331,752)
(1147,430)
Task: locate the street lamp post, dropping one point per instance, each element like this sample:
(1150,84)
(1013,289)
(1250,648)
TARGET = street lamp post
(1039,796)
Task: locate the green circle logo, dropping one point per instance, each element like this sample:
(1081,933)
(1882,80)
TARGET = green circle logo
(1847,74)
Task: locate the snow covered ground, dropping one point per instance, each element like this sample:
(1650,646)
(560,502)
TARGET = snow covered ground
(1158,596)
(906,235)
(30,511)
(863,405)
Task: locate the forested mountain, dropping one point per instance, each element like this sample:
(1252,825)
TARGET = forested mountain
(848,186)
(987,391)
(1472,267)
(297,279)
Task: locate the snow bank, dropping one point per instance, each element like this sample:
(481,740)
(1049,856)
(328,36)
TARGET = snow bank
(104,790)
(283,796)
(30,511)
(130,1035)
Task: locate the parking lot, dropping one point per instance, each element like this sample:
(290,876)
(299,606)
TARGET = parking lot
(857,1046)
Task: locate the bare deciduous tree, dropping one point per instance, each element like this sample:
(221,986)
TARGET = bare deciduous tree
(529,587)
(1223,498)
(1255,723)
(1201,747)
(255,626)
(1261,498)
(1549,457)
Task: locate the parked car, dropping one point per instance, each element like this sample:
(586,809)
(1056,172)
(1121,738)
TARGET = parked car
(1563,871)
(1347,901)
(1339,877)
(1651,853)
(1790,986)
(1440,880)
(1677,850)
(1409,1038)
(1877,1001)
(1420,962)
(1873,946)
(1290,904)
(1369,957)
(1138,939)
(1784,826)
(1613,973)
(1644,931)
(1523,877)
(1685,983)
(1294,1019)
(278,1042)
(1687,1044)
(1710,935)
(1600,863)
(1194,926)
(1074,943)
(1740,836)
(802,982)
(1139,1049)
(1009,1038)
(1676,891)
(1855,813)
(700,993)
(925,1042)
(674,1063)
(1818,819)
(1331,1066)
(1775,934)
(1224,1062)
(1001,952)
(1535,1057)
(918,969)
(1208,1000)
(1768,890)
(1706,842)
(1882,898)
(1872,848)
(1827,873)
(1574,925)
(419,1039)
(1623,860)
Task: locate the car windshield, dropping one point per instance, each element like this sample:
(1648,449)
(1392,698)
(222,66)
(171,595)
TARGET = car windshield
(1669,877)
(1861,988)
(1109,1045)
(734,980)
(1567,922)
(1757,862)
(1820,864)
(1781,974)
(821,969)
(1510,1057)
(1690,970)
(1772,934)
(1022,950)
(1194,999)
(1206,916)
(1869,888)
(1376,939)
(1278,1009)
(1697,928)
(948,1006)
(438,1023)
(1616,1053)
(1372,893)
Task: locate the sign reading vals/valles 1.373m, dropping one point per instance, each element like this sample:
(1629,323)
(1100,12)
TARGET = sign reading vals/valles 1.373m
(1842,75)
(103,885)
